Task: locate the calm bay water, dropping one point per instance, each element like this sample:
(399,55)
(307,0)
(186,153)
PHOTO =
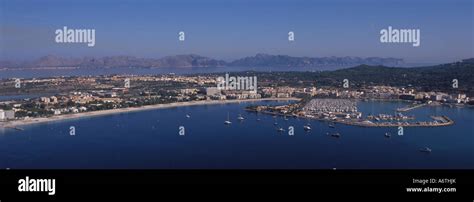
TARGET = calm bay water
(150,139)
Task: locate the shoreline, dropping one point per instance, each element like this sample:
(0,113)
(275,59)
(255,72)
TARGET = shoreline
(15,123)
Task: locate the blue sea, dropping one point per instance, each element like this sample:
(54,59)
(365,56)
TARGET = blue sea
(151,140)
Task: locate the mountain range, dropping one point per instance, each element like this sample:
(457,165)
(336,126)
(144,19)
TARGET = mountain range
(192,60)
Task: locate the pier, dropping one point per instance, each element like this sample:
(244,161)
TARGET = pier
(15,127)
(410,107)
(439,121)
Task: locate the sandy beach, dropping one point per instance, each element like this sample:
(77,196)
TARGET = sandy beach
(17,123)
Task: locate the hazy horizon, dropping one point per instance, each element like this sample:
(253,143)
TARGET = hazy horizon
(33,59)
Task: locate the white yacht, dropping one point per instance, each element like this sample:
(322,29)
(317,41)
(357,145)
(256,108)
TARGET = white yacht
(227,122)
(307,127)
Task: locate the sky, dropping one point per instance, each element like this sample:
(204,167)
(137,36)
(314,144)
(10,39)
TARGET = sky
(231,29)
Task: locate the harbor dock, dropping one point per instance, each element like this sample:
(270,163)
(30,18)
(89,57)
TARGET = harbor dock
(410,107)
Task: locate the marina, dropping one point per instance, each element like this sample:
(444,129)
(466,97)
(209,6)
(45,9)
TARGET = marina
(345,112)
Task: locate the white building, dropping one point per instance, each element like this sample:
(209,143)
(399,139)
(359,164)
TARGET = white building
(6,114)
(57,111)
(212,91)
(2,114)
(45,99)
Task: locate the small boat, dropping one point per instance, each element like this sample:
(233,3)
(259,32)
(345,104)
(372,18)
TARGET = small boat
(286,119)
(307,127)
(188,116)
(240,118)
(258,119)
(227,122)
(425,150)
(280,129)
(275,123)
(387,135)
(20,129)
(337,135)
(331,125)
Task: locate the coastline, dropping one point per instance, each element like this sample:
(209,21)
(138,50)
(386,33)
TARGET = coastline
(15,123)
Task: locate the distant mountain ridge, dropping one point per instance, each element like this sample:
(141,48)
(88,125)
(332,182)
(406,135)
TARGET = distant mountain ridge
(117,61)
(289,61)
(192,60)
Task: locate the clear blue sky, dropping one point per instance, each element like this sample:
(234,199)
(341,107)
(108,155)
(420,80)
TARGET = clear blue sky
(229,29)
